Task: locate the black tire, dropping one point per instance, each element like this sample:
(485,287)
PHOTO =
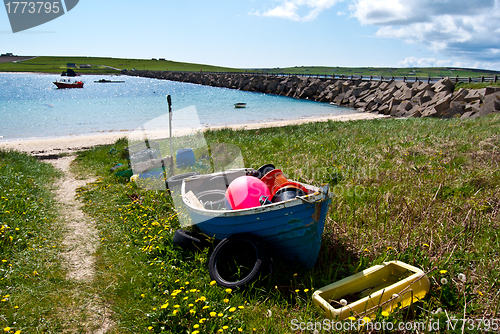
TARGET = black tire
(176,180)
(188,240)
(264,169)
(237,261)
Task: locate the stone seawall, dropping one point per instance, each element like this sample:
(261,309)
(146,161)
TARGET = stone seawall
(395,98)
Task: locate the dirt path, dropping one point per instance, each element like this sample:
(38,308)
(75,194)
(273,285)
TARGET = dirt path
(81,242)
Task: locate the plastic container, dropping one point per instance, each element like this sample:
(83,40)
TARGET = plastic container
(185,157)
(388,286)
(245,191)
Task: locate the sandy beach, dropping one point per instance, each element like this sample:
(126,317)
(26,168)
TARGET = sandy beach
(59,145)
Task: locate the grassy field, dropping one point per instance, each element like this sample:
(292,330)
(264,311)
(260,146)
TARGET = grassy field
(33,287)
(106,65)
(423,191)
(100,65)
(422,72)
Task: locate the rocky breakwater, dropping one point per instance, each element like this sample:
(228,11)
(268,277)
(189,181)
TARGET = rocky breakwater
(395,98)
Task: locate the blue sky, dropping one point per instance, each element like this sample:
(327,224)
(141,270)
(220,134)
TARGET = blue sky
(273,33)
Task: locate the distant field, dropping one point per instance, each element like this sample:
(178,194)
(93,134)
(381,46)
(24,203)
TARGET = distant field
(114,65)
(105,65)
(386,71)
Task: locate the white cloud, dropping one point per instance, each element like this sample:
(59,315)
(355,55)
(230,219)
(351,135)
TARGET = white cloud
(292,9)
(462,28)
(433,62)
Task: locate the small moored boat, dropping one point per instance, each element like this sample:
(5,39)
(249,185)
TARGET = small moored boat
(240,105)
(68,83)
(108,81)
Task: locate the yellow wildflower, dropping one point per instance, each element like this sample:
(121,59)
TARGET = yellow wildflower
(164,306)
(229,290)
(443,271)
(232,309)
(213,314)
(385,313)
(213,283)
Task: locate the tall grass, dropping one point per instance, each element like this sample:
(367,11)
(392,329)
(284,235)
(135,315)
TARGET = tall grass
(32,279)
(423,191)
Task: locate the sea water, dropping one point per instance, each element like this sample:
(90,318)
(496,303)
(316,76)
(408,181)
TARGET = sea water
(32,107)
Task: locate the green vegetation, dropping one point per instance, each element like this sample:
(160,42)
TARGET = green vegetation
(423,191)
(105,65)
(476,85)
(32,280)
(110,65)
(386,72)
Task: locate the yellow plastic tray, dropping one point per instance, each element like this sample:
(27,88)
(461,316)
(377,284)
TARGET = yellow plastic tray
(388,286)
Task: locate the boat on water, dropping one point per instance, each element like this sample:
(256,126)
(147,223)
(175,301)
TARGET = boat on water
(68,83)
(240,105)
(291,229)
(108,81)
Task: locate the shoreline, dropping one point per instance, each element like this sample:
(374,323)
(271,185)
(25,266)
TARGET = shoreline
(63,145)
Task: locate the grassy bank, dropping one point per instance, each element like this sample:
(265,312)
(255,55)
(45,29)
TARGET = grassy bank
(32,279)
(105,65)
(423,191)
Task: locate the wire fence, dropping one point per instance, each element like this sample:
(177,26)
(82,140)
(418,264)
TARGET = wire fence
(456,79)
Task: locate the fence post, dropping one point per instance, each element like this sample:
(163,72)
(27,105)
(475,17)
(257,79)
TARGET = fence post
(429,80)
(404,78)
(482,78)
(495,79)
(470,79)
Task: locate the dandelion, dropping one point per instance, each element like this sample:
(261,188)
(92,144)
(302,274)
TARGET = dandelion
(385,313)
(462,277)
(196,326)
(164,306)
(213,314)
(343,302)
(6,329)
(232,309)
(297,290)
(426,245)
(150,327)
(443,272)
(241,307)
(195,332)
(225,300)
(444,281)
(175,312)
(389,248)
(229,290)
(365,250)
(295,275)
(220,315)
(306,290)
(240,329)
(479,293)
(202,320)
(192,311)
(177,306)
(213,283)
(352,318)
(205,307)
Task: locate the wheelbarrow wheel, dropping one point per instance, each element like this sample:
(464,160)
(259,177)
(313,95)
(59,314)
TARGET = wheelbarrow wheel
(237,261)
(188,240)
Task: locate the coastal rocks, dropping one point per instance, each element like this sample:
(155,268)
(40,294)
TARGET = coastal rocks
(395,98)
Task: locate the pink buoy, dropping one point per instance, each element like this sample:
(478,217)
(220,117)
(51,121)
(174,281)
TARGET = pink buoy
(244,192)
